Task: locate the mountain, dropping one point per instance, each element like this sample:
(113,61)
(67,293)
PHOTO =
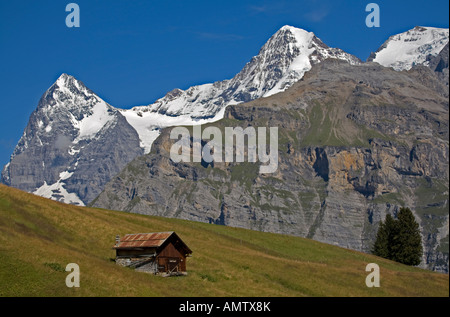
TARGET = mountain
(414,47)
(355,142)
(283,60)
(40,237)
(75,142)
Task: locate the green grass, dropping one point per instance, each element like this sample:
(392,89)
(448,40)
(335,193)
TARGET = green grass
(329,127)
(245,173)
(432,199)
(395,198)
(39,237)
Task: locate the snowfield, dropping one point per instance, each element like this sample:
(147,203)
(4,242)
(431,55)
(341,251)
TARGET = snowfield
(404,50)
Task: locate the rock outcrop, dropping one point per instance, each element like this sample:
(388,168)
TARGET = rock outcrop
(73,144)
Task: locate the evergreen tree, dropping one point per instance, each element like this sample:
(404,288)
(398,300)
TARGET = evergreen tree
(409,245)
(380,248)
(392,236)
(399,240)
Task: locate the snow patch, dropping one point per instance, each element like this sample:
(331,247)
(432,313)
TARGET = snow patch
(148,124)
(64,175)
(6,171)
(72,151)
(91,125)
(57,191)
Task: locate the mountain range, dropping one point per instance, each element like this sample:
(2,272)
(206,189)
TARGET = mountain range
(357,141)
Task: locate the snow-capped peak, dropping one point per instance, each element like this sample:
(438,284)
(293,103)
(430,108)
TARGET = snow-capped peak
(414,47)
(298,50)
(293,30)
(283,60)
(64,92)
(69,97)
(70,85)
(301,36)
(64,79)
(288,27)
(63,139)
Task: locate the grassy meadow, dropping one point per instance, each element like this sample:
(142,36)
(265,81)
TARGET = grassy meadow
(39,237)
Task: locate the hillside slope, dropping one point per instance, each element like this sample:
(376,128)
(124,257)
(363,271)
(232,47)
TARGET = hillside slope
(39,237)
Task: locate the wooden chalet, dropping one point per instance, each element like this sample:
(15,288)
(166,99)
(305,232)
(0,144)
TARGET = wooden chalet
(158,252)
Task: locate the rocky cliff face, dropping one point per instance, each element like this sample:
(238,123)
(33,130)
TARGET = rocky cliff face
(440,64)
(73,144)
(355,143)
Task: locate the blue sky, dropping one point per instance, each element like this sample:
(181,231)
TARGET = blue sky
(133,52)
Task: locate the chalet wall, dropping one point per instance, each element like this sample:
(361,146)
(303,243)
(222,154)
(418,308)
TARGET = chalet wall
(170,251)
(151,267)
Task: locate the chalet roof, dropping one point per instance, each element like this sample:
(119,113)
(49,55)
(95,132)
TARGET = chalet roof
(150,240)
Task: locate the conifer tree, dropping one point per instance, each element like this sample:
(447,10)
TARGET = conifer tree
(399,240)
(392,236)
(380,248)
(409,244)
